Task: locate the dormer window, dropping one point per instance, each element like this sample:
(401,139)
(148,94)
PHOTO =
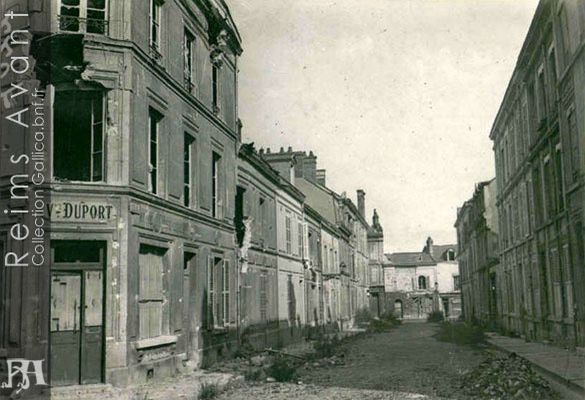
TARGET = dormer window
(83,16)
(451,255)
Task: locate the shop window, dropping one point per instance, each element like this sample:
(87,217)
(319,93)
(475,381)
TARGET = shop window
(79,136)
(77,251)
(84,16)
(151,294)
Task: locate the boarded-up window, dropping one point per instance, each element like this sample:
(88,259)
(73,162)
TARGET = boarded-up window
(79,136)
(150,294)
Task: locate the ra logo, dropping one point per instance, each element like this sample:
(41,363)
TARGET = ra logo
(20,367)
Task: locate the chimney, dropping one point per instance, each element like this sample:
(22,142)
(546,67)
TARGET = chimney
(361,200)
(429,246)
(320,175)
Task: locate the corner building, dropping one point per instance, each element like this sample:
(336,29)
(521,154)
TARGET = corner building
(143,270)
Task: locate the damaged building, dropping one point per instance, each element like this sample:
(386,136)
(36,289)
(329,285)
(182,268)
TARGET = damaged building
(419,283)
(171,242)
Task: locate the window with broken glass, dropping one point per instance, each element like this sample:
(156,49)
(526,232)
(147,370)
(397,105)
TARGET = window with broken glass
(79,136)
(84,16)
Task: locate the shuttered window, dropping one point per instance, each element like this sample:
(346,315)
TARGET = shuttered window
(263,297)
(218,292)
(150,293)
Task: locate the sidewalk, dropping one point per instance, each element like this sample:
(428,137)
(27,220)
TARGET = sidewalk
(564,366)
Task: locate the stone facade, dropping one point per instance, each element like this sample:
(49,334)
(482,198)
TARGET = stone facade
(418,283)
(477,237)
(538,144)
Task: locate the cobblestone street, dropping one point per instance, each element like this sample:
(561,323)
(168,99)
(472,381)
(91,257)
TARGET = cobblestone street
(405,363)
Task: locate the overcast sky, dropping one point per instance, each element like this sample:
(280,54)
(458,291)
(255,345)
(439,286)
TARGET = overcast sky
(395,97)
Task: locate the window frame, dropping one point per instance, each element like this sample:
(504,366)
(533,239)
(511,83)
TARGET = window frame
(154,117)
(216,184)
(189,43)
(155,13)
(83,18)
(189,143)
(91,96)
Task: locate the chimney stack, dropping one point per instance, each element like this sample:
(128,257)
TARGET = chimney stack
(321,177)
(361,202)
(429,246)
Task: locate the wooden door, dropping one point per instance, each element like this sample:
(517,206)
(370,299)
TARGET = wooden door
(65,327)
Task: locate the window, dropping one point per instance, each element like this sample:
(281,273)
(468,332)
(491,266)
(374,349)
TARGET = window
(574,144)
(225,293)
(155,31)
(85,16)
(549,188)
(537,189)
(215,87)
(79,136)
(218,292)
(188,47)
(154,119)
(422,282)
(456,282)
(215,185)
(300,238)
(188,186)
(541,96)
(288,234)
(565,35)
(151,292)
(290,296)
(552,68)
(559,183)
(451,255)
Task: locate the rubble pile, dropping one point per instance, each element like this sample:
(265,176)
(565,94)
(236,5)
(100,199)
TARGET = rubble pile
(508,377)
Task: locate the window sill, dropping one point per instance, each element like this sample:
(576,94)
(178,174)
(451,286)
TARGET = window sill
(156,342)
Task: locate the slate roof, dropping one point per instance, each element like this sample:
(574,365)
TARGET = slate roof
(318,197)
(440,250)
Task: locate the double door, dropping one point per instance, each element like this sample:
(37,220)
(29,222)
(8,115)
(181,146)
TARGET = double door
(77,322)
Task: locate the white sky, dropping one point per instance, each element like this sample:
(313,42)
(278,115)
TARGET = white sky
(395,97)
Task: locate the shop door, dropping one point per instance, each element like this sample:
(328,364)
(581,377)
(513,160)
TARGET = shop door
(76,327)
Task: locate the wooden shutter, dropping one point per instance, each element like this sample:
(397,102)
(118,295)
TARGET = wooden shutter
(210,292)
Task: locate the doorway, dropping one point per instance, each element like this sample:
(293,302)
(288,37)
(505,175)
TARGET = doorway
(77,313)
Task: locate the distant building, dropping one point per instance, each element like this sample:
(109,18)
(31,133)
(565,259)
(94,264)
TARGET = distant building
(477,237)
(418,283)
(376,263)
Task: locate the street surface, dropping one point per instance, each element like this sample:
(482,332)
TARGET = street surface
(406,363)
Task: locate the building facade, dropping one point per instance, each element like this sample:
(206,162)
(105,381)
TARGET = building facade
(477,238)
(418,283)
(538,144)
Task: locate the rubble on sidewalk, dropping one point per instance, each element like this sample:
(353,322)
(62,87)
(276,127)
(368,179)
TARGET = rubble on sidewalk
(508,377)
